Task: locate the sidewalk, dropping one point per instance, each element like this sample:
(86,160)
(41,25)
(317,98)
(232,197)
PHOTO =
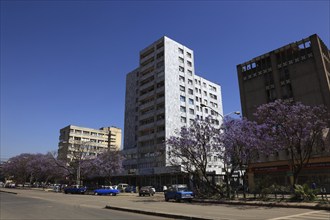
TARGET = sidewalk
(197,212)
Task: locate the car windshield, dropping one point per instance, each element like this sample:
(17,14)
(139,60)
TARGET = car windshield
(184,189)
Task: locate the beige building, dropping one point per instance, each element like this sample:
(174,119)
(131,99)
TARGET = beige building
(75,141)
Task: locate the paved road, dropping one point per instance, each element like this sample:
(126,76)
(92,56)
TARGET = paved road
(35,207)
(55,203)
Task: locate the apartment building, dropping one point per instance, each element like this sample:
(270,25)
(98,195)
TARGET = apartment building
(75,141)
(162,95)
(299,72)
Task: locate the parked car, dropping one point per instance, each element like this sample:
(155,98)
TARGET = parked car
(130,189)
(179,192)
(75,189)
(106,190)
(147,190)
(122,186)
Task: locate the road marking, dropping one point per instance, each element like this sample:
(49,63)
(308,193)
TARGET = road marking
(319,215)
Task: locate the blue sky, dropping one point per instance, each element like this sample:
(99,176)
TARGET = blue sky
(65,62)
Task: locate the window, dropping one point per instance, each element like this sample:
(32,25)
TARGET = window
(188,54)
(204,84)
(191,111)
(190,91)
(190,72)
(212,88)
(182,98)
(197,107)
(205,93)
(190,82)
(183,120)
(191,101)
(181,69)
(180,50)
(182,109)
(191,121)
(161,54)
(181,60)
(206,110)
(213,96)
(196,99)
(182,89)
(189,63)
(160,84)
(196,90)
(181,78)
(160,117)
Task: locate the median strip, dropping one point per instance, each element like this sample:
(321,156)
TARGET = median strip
(167,215)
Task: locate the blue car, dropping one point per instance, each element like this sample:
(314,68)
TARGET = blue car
(106,191)
(75,189)
(179,192)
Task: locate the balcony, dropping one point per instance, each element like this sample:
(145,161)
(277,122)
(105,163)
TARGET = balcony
(145,58)
(146,137)
(146,126)
(146,105)
(147,115)
(147,95)
(148,84)
(149,65)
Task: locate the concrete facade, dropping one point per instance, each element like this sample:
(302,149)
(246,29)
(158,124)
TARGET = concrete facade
(162,95)
(298,72)
(87,142)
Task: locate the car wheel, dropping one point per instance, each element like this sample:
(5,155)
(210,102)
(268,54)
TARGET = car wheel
(190,200)
(166,199)
(114,194)
(177,199)
(140,194)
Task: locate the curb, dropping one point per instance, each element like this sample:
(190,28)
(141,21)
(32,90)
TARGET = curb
(167,215)
(284,205)
(8,192)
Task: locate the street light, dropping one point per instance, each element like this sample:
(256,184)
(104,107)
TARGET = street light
(222,116)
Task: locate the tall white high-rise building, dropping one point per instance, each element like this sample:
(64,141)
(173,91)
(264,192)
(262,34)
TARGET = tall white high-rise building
(162,95)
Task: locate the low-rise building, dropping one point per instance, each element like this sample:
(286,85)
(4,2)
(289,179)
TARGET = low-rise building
(82,142)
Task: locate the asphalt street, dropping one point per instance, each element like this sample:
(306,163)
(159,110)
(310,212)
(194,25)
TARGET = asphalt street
(39,205)
(17,207)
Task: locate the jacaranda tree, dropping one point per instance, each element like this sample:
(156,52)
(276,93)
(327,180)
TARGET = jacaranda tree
(296,128)
(242,141)
(16,168)
(191,149)
(32,168)
(105,165)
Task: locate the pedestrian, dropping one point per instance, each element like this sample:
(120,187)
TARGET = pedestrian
(165,189)
(313,186)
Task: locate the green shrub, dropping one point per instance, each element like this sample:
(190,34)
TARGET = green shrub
(304,193)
